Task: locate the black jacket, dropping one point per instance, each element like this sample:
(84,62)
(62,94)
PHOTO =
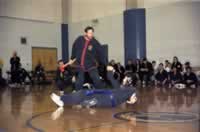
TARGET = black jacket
(93,53)
(15,63)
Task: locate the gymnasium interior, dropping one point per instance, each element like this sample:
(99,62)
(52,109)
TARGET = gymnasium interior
(153,46)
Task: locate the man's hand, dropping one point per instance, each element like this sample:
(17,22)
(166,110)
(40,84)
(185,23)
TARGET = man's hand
(71,62)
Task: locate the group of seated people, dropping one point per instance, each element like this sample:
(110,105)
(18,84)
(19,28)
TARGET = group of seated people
(169,74)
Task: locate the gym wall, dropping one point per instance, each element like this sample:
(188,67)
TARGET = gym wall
(38,34)
(173,30)
(108,30)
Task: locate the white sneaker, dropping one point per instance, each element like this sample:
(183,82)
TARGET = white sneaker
(56,99)
(132,100)
(180,86)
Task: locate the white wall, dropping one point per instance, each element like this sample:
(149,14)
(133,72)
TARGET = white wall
(43,10)
(173,30)
(38,34)
(109,31)
(83,10)
(157,3)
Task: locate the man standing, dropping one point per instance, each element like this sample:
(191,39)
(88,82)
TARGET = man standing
(15,65)
(87,52)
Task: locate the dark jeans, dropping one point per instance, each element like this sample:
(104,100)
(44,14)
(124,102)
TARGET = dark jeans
(40,76)
(94,75)
(190,84)
(145,76)
(104,97)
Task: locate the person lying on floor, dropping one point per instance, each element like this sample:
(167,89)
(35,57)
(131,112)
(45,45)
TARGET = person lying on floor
(100,97)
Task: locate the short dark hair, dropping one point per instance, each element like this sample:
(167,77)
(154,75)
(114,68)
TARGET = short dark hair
(161,64)
(88,28)
(144,59)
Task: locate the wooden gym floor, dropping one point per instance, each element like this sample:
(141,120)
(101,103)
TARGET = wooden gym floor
(30,109)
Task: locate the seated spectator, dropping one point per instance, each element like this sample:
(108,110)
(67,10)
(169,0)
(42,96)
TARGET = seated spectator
(161,76)
(40,73)
(131,75)
(155,67)
(175,77)
(130,79)
(186,65)
(130,67)
(190,79)
(120,70)
(23,74)
(177,64)
(167,66)
(115,69)
(146,71)
(137,65)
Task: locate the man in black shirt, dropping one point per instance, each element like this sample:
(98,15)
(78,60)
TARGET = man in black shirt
(87,53)
(15,65)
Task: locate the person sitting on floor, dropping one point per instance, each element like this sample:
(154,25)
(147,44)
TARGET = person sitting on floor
(146,71)
(167,66)
(161,76)
(190,79)
(186,65)
(39,72)
(23,75)
(175,78)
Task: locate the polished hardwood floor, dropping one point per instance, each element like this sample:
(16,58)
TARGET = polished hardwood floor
(30,109)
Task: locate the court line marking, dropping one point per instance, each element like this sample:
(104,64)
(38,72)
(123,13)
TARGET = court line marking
(29,121)
(30,125)
(98,126)
(159,121)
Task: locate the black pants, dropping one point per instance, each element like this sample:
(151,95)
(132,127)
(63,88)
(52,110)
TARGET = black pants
(190,84)
(145,76)
(94,75)
(2,81)
(15,76)
(40,76)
